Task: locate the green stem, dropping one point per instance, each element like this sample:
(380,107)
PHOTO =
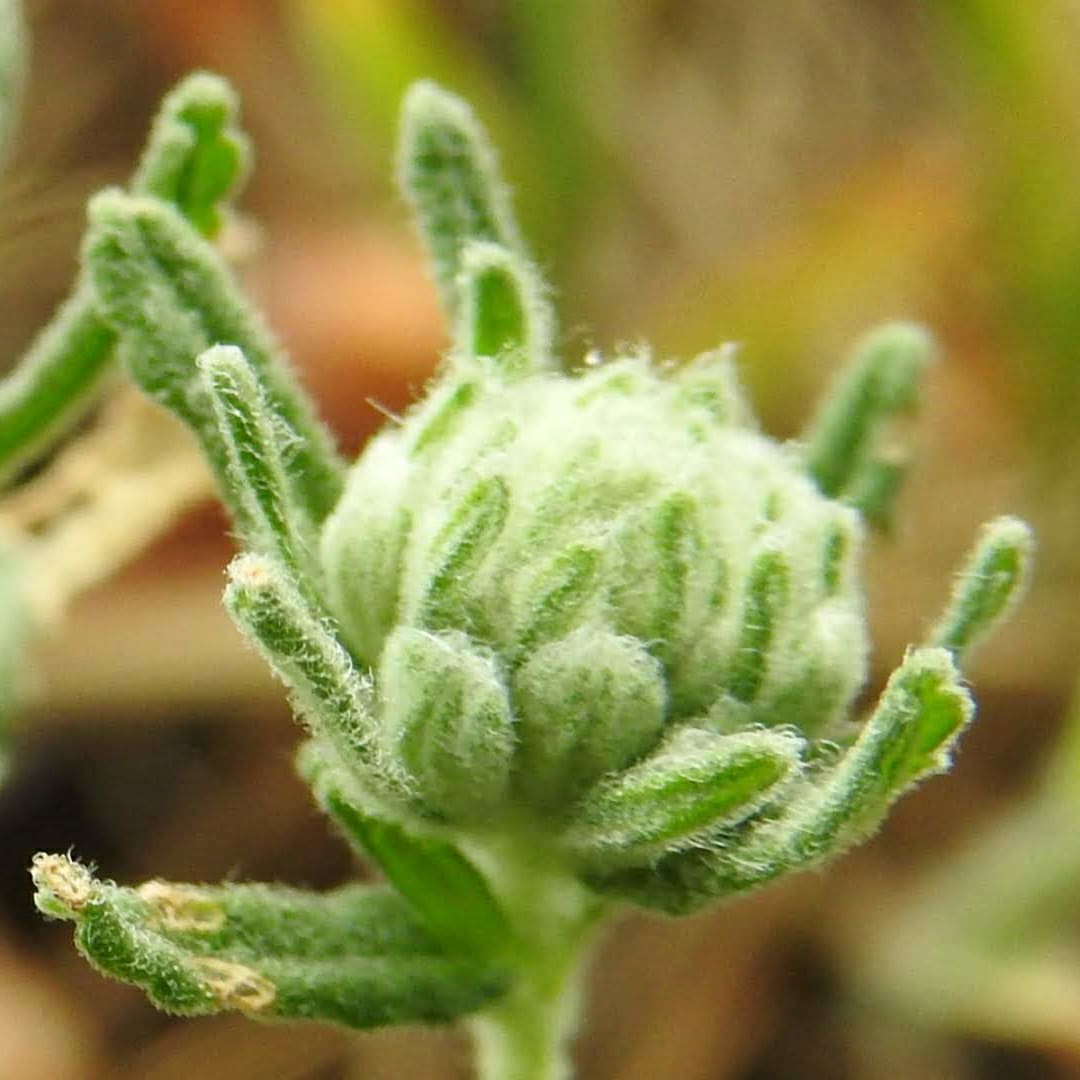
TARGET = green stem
(527,1035)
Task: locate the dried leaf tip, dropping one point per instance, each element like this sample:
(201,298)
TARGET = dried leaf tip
(62,880)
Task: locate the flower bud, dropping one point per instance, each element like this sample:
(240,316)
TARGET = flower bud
(621,547)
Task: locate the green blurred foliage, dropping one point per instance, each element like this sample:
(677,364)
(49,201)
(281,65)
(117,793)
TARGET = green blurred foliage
(1012,68)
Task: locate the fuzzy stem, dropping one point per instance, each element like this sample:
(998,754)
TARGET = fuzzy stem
(527,1034)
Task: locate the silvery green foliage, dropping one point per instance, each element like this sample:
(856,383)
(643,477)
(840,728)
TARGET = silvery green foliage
(195,159)
(562,636)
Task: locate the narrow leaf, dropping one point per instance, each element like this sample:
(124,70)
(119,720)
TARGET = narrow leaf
(986,587)
(693,787)
(331,695)
(449,173)
(195,157)
(848,450)
(357,956)
(258,446)
(504,314)
(449,895)
(922,711)
(167,292)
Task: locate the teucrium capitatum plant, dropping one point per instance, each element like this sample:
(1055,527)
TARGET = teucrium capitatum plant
(562,639)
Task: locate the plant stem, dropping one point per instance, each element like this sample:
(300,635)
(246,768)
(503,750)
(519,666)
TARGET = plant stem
(527,1035)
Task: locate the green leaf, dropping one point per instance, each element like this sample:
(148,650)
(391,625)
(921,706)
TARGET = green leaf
(258,445)
(922,711)
(449,895)
(297,639)
(850,452)
(449,173)
(994,575)
(169,295)
(504,314)
(195,155)
(357,956)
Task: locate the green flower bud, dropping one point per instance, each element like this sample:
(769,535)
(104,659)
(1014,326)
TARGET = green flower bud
(625,556)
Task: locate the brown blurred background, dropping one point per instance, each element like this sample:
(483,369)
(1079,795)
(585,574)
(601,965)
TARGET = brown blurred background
(781,173)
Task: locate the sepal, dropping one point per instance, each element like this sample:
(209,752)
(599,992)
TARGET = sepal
(659,573)
(362,547)
(504,314)
(445,723)
(588,704)
(768,588)
(708,386)
(687,794)
(444,592)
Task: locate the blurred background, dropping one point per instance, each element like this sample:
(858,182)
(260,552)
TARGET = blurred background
(782,174)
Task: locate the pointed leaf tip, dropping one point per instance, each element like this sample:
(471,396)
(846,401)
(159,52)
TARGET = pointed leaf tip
(987,586)
(449,172)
